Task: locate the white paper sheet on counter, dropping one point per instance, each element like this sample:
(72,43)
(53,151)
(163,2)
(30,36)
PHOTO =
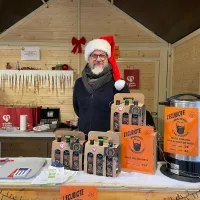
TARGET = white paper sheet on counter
(54,175)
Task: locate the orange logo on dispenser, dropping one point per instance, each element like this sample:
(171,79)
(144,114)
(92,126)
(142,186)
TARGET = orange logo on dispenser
(181,131)
(179,127)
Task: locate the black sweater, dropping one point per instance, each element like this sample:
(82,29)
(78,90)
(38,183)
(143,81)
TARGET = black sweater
(94,109)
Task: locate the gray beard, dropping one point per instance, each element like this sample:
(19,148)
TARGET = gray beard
(96,70)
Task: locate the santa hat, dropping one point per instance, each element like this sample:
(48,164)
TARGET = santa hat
(106,44)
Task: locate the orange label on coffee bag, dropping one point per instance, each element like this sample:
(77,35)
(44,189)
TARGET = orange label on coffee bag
(137,148)
(181,131)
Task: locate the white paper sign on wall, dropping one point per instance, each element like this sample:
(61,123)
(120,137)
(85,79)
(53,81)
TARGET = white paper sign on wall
(30,53)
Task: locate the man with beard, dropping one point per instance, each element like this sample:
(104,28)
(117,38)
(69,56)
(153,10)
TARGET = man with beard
(94,91)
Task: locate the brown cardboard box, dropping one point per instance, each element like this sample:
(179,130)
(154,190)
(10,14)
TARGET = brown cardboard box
(139,149)
(124,113)
(102,160)
(69,154)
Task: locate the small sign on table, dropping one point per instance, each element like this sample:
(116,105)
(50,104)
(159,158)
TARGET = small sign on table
(78,193)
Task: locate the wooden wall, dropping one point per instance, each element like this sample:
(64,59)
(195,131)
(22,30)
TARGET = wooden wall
(186,68)
(52,29)
(45,97)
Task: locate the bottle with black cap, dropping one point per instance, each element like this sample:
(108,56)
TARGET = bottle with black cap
(135,113)
(99,165)
(57,156)
(57,151)
(100,142)
(110,143)
(109,166)
(68,137)
(117,102)
(75,161)
(91,141)
(66,159)
(125,115)
(116,117)
(59,139)
(90,161)
(109,159)
(116,121)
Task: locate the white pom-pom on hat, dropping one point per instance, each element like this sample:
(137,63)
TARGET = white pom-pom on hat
(119,85)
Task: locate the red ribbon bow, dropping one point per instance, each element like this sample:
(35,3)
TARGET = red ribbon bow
(77,44)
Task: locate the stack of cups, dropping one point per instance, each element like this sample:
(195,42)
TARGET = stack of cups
(23,122)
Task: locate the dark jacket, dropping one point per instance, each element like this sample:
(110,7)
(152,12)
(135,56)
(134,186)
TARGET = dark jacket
(94,110)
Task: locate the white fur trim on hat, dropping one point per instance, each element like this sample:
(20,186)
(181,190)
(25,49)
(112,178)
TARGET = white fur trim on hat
(119,84)
(97,44)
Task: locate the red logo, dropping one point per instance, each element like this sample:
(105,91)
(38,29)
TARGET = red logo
(131,76)
(91,194)
(192,115)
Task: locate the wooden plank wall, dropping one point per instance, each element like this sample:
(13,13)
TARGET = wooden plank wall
(52,30)
(186,69)
(46,98)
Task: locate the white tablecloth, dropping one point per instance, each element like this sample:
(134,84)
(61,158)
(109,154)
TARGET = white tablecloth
(158,180)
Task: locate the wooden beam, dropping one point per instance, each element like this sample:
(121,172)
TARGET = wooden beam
(170,70)
(156,91)
(162,87)
(128,45)
(115,193)
(68,46)
(122,60)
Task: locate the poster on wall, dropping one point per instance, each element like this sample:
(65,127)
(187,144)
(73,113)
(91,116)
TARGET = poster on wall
(131,76)
(30,53)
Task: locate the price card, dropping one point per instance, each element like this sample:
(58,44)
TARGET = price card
(78,193)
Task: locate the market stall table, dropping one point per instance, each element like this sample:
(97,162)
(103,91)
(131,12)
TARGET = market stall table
(15,136)
(127,186)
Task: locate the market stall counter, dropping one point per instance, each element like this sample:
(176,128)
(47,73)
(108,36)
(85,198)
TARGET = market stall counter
(128,185)
(31,143)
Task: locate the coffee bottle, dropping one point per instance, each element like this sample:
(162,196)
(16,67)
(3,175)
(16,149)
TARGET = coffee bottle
(75,161)
(90,161)
(99,165)
(135,113)
(125,115)
(66,159)
(109,166)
